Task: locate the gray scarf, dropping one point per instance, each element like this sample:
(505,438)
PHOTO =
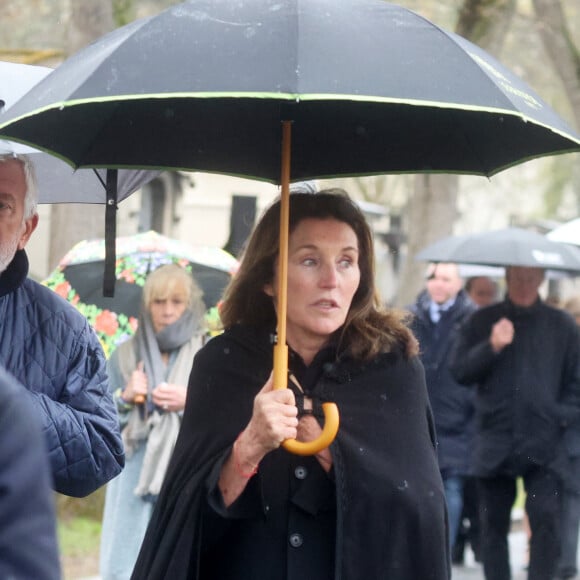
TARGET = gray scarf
(158,428)
(151,345)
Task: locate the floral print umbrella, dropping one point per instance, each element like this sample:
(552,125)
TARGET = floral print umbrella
(79,278)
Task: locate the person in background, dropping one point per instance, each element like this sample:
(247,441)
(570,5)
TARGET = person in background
(49,347)
(28,541)
(570,520)
(524,357)
(438,312)
(237,505)
(482,290)
(149,375)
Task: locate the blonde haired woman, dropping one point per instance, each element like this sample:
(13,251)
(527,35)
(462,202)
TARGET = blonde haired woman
(149,375)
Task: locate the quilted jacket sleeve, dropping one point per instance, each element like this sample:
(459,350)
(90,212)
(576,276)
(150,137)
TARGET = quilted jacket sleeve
(81,427)
(56,355)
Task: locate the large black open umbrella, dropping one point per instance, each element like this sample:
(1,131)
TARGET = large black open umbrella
(288,89)
(370,87)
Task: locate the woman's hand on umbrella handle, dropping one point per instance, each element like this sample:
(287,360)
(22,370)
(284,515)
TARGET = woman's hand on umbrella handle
(274,418)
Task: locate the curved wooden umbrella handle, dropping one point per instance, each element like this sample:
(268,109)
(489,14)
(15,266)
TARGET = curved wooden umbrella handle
(331,422)
(331,417)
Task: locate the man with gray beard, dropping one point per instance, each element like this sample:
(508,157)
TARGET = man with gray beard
(49,347)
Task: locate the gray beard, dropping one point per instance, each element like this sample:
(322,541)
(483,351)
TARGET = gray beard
(7,253)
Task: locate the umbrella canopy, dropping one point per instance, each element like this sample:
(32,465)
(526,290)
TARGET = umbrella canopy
(185,85)
(58,182)
(507,247)
(78,278)
(568,233)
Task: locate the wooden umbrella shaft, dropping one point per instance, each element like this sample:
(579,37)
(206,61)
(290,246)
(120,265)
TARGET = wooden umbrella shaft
(331,418)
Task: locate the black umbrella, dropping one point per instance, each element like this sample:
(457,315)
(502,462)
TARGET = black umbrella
(370,87)
(362,86)
(506,247)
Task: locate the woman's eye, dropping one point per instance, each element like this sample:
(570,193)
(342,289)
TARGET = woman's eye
(309,262)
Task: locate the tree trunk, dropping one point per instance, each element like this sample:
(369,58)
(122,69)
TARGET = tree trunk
(565,57)
(433,206)
(71,223)
(431,214)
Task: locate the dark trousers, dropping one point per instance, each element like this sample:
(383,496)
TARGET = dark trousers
(567,565)
(496,497)
(469,530)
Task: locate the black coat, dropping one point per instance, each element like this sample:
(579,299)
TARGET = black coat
(389,517)
(452,403)
(528,394)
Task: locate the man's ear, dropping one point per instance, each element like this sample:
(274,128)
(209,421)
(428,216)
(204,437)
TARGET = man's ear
(29,226)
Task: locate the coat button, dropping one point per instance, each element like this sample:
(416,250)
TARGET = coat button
(296,540)
(300,472)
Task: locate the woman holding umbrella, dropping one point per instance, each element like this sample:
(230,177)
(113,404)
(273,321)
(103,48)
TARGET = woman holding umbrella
(236,504)
(149,374)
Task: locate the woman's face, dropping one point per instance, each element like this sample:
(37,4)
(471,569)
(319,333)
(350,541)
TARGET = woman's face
(323,276)
(167,310)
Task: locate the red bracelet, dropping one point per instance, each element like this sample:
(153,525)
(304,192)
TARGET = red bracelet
(239,471)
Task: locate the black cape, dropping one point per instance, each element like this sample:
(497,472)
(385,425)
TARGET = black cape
(391,514)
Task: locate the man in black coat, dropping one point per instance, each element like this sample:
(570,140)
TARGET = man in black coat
(525,358)
(438,312)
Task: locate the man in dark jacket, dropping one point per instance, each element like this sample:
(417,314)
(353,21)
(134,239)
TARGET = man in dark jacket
(28,542)
(525,358)
(50,349)
(438,312)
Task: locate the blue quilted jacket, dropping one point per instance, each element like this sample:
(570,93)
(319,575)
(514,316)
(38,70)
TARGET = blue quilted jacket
(51,349)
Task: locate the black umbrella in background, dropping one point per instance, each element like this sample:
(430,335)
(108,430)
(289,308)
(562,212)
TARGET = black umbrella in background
(288,89)
(506,247)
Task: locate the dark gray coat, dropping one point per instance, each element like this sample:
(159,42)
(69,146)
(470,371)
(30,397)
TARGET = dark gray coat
(452,402)
(528,394)
(28,542)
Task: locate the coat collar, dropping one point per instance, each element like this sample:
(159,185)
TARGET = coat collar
(15,274)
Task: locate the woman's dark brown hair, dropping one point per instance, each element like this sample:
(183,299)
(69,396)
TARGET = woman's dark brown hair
(368,329)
